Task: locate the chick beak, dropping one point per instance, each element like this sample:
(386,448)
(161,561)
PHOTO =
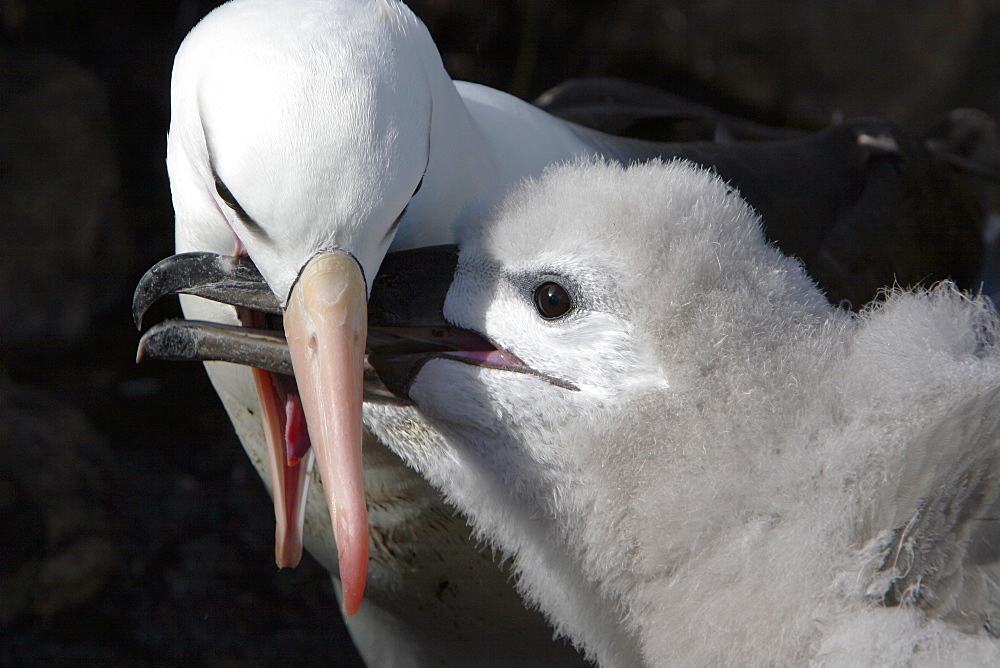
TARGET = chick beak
(326,325)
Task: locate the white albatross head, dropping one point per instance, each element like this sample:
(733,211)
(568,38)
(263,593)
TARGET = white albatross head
(300,132)
(299,127)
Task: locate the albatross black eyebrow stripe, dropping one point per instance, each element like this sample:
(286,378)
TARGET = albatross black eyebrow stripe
(226,195)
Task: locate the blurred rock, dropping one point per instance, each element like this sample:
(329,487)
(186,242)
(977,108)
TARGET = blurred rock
(52,477)
(783,62)
(65,246)
(805,61)
(156,552)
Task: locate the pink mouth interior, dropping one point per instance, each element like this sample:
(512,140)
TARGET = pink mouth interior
(281,392)
(472,347)
(493,357)
(286,393)
(456,343)
(297,441)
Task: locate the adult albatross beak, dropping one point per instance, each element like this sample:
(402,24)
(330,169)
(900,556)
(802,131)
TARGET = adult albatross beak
(326,328)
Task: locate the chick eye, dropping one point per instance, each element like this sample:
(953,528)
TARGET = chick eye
(552,301)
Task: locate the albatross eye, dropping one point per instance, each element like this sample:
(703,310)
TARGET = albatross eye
(552,301)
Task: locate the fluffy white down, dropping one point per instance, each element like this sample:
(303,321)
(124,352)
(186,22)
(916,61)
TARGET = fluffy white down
(730,482)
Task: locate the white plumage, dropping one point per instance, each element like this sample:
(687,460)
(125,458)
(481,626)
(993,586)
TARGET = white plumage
(744,474)
(322,117)
(309,126)
(307,132)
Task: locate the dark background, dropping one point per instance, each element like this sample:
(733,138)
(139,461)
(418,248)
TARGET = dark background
(133,529)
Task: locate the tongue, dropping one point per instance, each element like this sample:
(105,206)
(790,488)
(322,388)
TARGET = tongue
(296,434)
(290,460)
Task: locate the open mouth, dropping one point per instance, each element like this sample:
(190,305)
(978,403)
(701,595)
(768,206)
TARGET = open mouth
(406,326)
(405,329)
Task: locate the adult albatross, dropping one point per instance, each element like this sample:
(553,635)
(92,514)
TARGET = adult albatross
(310,137)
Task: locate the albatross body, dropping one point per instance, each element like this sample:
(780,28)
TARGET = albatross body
(303,129)
(312,137)
(692,457)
